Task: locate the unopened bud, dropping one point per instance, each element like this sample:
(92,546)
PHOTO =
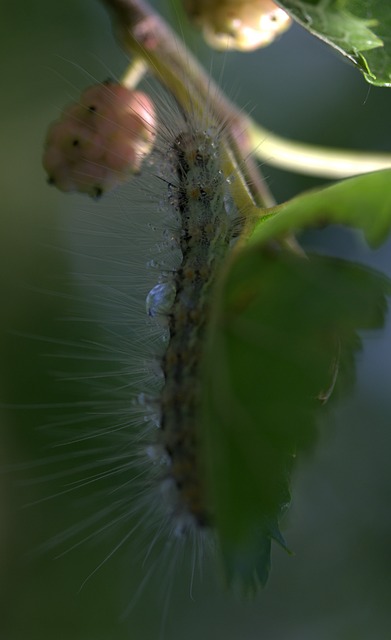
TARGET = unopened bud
(101,140)
(238,24)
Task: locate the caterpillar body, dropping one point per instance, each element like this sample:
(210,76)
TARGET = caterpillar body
(189,224)
(207,225)
(199,151)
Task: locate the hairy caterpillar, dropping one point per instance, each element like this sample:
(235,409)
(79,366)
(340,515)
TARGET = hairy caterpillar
(207,226)
(193,225)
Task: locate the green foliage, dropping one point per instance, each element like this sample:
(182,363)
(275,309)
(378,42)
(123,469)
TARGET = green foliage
(359,29)
(282,340)
(363,202)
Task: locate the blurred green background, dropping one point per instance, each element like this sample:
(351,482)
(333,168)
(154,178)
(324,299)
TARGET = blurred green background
(337,585)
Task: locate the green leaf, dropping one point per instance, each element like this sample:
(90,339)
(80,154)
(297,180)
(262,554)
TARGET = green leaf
(359,29)
(282,325)
(363,202)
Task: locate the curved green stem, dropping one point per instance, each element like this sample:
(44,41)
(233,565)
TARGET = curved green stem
(313,160)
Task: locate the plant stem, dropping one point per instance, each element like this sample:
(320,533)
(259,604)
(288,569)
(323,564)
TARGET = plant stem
(134,73)
(306,158)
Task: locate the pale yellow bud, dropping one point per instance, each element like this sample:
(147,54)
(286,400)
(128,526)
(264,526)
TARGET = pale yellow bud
(238,24)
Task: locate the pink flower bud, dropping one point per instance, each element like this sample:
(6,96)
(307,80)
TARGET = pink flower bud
(100,141)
